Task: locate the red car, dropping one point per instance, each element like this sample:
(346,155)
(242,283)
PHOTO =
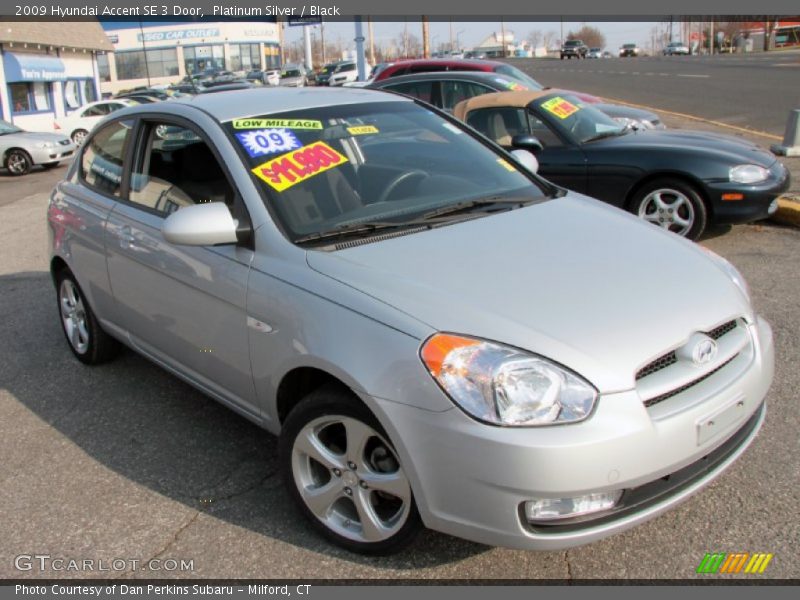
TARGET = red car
(427,65)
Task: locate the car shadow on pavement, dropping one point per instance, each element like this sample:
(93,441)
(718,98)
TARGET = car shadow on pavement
(152,429)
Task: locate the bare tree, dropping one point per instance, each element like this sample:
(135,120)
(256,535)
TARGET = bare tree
(535,38)
(591,36)
(548,38)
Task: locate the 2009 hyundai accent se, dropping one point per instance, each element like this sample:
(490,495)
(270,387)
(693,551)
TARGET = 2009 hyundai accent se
(437,335)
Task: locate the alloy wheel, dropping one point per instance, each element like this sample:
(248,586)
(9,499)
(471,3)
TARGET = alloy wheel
(668,208)
(73,316)
(350,479)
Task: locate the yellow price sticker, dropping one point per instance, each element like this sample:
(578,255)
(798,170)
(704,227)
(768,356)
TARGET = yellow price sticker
(362,130)
(282,123)
(295,167)
(560,107)
(506,165)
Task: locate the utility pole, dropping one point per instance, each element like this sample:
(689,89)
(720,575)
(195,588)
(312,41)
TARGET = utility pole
(711,41)
(426,48)
(360,59)
(502,34)
(371,42)
(307,47)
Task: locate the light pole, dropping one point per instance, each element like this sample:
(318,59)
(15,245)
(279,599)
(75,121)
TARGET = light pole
(458,40)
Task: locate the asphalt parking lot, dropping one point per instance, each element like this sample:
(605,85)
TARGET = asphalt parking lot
(127,462)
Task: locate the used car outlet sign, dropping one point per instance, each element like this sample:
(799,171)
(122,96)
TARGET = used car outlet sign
(357,230)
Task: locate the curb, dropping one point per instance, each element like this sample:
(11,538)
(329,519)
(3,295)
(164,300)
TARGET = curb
(788,212)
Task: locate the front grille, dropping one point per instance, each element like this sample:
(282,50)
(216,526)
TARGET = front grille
(670,358)
(683,388)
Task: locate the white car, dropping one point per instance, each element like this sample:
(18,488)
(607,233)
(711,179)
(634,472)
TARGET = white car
(345,73)
(79,123)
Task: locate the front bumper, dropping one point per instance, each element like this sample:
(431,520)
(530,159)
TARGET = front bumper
(54,154)
(756,199)
(471,480)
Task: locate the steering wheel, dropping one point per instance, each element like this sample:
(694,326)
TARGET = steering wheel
(402,178)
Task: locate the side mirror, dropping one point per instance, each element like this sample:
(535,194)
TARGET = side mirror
(526,159)
(527,142)
(201,225)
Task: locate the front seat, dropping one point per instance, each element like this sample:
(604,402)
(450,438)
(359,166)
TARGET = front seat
(497,130)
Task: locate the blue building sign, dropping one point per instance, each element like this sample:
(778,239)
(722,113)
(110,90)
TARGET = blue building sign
(22,67)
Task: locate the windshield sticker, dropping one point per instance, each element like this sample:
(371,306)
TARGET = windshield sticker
(452,128)
(514,86)
(282,123)
(362,130)
(295,167)
(259,142)
(560,107)
(506,165)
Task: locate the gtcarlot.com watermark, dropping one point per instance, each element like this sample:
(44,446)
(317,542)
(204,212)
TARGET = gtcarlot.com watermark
(59,564)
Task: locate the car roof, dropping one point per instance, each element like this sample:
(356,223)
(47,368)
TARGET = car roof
(513,99)
(240,104)
(437,75)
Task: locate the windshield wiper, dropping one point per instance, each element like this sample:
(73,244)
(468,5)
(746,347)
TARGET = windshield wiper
(604,135)
(356,228)
(470,204)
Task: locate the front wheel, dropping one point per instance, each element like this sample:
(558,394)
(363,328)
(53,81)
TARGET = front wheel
(18,162)
(673,205)
(345,475)
(78,136)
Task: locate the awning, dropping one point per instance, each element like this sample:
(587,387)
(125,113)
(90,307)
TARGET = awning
(33,67)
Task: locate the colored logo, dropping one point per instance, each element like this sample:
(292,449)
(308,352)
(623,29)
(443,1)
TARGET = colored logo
(737,562)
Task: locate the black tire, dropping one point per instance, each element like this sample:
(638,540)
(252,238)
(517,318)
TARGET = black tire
(674,192)
(50,165)
(99,346)
(78,136)
(333,401)
(18,162)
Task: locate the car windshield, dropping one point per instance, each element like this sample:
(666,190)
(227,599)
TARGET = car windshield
(514,72)
(290,73)
(359,165)
(581,122)
(574,43)
(629,46)
(328,69)
(345,67)
(6,128)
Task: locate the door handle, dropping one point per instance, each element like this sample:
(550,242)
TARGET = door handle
(126,237)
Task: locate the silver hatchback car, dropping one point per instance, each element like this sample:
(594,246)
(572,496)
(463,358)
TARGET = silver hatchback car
(439,336)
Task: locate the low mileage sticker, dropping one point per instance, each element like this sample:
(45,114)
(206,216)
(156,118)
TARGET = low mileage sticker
(295,167)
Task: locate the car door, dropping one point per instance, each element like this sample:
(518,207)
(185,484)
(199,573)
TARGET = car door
(183,306)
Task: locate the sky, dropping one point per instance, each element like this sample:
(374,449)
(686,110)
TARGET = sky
(468,34)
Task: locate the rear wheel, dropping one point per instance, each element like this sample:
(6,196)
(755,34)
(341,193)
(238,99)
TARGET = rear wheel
(88,342)
(78,136)
(345,475)
(673,205)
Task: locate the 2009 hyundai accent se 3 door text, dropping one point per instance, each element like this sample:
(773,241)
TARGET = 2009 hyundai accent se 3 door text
(438,336)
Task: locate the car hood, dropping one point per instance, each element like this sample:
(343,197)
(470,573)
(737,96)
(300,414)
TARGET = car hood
(572,279)
(32,136)
(735,150)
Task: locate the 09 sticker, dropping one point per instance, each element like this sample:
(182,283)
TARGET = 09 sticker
(282,123)
(560,107)
(260,142)
(295,167)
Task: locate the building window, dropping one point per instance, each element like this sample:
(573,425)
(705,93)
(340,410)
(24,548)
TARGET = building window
(78,92)
(204,58)
(244,57)
(102,67)
(30,97)
(272,56)
(160,63)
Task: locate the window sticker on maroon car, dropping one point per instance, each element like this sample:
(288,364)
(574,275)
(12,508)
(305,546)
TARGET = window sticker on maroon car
(295,167)
(560,107)
(260,142)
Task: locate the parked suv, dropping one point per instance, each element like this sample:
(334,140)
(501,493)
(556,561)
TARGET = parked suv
(574,48)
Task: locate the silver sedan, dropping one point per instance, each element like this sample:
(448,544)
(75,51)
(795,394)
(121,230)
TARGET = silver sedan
(20,150)
(439,336)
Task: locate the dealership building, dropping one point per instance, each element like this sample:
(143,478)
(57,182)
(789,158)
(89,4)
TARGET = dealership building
(157,55)
(48,70)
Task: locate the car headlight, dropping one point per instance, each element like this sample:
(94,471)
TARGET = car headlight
(505,386)
(748,174)
(733,272)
